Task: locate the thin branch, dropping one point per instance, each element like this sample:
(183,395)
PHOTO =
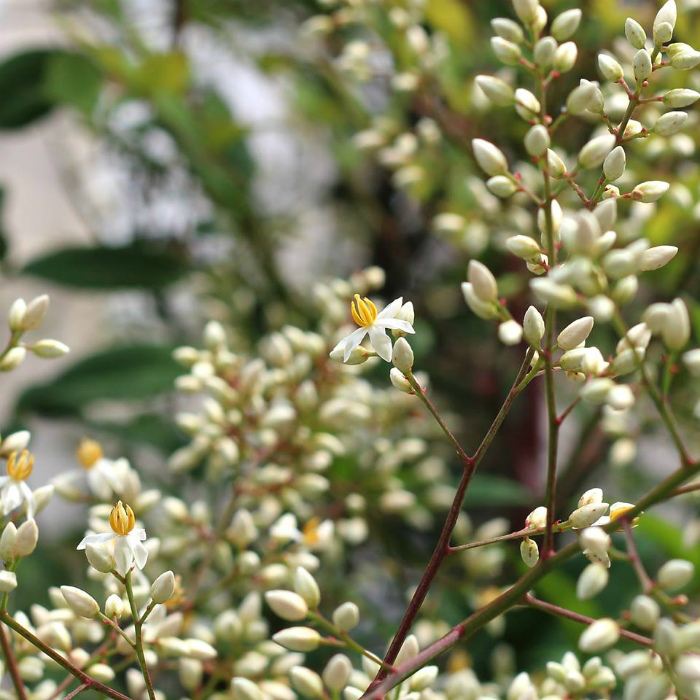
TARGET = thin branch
(12,665)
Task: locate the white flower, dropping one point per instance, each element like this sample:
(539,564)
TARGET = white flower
(129,548)
(364,313)
(13,489)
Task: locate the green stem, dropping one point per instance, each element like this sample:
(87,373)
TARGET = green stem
(138,646)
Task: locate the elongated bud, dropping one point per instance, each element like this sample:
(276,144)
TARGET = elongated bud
(510,332)
(482,309)
(650,191)
(614,164)
(399,381)
(565,57)
(642,65)
(595,539)
(586,515)
(482,280)
(656,257)
(501,186)
(35,312)
(526,10)
(298,639)
(244,689)
(337,672)
(680,97)
(506,51)
(490,158)
(523,247)
(594,152)
(594,495)
(7,542)
(306,681)
(508,29)
(582,98)
(593,579)
(114,607)
(346,616)
(163,587)
(99,558)
(557,167)
(645,612)
(49,349)
(666,15)
(26,539)
(691,360)
(80,602)
(566,24)
(599,636)
(13,359)
(402,356)
(529,552)
(559,295)
(537,518)
(686,59)
(498,91)
(526,104)
(305,585)
(537,140)
(543,51)
(670,123)
(575,333)
(675,574)
(288,605)
(8,581)
(635,33)
(676,330)
(610,69)
(533,327)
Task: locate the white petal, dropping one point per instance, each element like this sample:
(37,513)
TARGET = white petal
(98,484)
(28,496)
(392,309)
(395,323)
(138,550)
(139,533)
(100,538)
(380,342)
(11,497)
(352,341)
(123,555)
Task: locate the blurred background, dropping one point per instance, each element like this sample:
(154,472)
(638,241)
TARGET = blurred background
(163,163)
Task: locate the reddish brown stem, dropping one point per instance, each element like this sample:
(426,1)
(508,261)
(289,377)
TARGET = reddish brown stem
(12,665)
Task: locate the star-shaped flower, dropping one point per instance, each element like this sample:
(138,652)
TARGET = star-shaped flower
(129,546)
(375,324)
(13,489)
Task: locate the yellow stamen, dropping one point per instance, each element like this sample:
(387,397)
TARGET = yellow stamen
(122,519)
(20,469)
(363,311)
(89,453)
(310,531)
(619,512)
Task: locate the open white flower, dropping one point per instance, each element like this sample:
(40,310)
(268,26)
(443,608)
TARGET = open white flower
(129,548)
(375,324)
(13,489)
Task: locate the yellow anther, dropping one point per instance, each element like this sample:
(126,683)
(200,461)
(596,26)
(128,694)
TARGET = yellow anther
(89,453)
(310,531)
(364,312)
(620,511)
(122,519)
(20,468)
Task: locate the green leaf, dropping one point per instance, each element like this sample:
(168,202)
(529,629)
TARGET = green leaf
(123,373)
(73,79)
(147,429)
(486,490)
(23,88)
(102,267)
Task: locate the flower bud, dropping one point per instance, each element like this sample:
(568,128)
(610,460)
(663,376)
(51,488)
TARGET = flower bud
(565,24)
(595,539)
(402,356)
(305,585)
(510,332)
(642,65)
(666,637)
(645,612)
(244,689)
(686,59)
(490,158)
(306,682)
(190,673)
(163,587)
(7,542)
(99,558)
(13,358)
(537,519)
(501,186)
(529,552)
(597,390)
(557,167)
(526,10)
(8,581)
(575,333)
(635,33)
(594,152)
(586,515)
(680,97)
(610,69)
(288,605)
(670,123)
(16,315)
(508,29)
(582,98)
(565,57)
(337,672)
(537,140)
(497,90)
(533,326)
(199,649)
(526,104)
(523,247)
(593,579)
(691,360)
(101,673)
(399,381)
(346,616)
(80,602)
(49,349)
(675,574)
(506,51)
(482,280)
(676,330)
(650,191)
(614,164)
(666,15)
(543,51)
(35,313)
(656,257)
(114,607)
(599,636)
(298,638)
(662,33)
(559,295)
(26,539)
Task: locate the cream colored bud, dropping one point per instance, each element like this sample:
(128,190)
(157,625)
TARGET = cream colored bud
(490,158)
(561,296)
(691,360)
(668,14)
(666,637)
(482,280)
(680,97)
(642,65)
(686,59)
(635,33)
(566,24)
(596,391)
(620,397)
(80,602)
(594,495)
(99,558)
(49,349)
(543,51)
(402,356)
(582,98)
(595,539)
(599,636)
(575,333)
(13,358)
(298,638)
(557,167)
(337,672)
(114,607)
(506,51)
(498,91)
(35,312)
(645,612)
(593,579)
(399,381)
(8,581)
(306,682)
(675,574)
(523,247)
(26,539)
(588,514)
(526,10)
(526,104)
(346,616)
(16,315)
(537,140)
(676,330)
(244,689)
(537,519)
(287,605)
(656,257)
(533,326)
(565,57)
(501,186)
(670,123)
(190,673)
(529,552)
(201,650)
(508,29)
(594,152)
(7,542)
(101,673)
(482,309)
(510,332)
(610,69)
(163,587)
(614,164)
(650,191)
(305,585)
